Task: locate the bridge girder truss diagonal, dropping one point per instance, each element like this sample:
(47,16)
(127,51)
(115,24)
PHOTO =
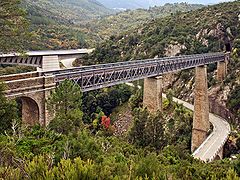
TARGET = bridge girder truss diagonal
(105,75)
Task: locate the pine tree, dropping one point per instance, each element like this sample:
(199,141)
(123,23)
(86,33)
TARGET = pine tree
(66,104)
(136,134)
(154,131)
(8,111)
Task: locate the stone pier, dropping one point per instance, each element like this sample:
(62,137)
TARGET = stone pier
(221,70)
(201,123)
(152,95)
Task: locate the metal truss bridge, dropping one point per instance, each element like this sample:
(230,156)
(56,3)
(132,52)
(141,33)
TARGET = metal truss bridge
(105,75)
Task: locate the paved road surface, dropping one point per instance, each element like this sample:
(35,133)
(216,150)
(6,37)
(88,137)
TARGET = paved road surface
(215,141)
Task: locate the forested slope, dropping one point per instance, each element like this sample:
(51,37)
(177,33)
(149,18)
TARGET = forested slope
(207,29)
(130,19)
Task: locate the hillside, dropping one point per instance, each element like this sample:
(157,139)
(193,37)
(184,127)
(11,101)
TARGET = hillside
(65,11)
(201,31)
(54,23)
(57,30)
(120,22)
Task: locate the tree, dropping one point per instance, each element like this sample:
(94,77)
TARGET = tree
(66,104)
(136,134)
(154,131)
(13,26)
(8,111)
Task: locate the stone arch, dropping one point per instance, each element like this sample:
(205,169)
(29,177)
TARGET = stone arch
(29,110)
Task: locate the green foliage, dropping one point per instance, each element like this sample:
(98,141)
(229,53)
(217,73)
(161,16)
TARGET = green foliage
(153,38)
(13,27)
(128,20)
(234,100)
(8,111)
(65,12)
(136,134)
(136,99)
(104,100)
(236,46)
(65,103)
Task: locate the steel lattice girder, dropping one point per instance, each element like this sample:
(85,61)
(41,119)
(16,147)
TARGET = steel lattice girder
(99,76)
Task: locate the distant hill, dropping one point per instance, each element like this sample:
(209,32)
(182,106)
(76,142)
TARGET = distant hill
(65,11)
(116,24)
(54,22)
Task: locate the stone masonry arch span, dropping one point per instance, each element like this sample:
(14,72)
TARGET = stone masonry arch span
(29,110)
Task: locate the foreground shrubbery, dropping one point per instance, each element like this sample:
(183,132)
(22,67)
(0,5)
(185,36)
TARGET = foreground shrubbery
(44,154)
(158,147)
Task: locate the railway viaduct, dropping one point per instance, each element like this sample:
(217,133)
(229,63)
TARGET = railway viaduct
(34,88)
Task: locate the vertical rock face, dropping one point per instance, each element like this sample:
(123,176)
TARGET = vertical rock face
(201,123)
(152,95)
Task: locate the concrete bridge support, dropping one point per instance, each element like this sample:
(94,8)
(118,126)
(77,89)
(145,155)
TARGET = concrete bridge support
(201,123)
(152,94)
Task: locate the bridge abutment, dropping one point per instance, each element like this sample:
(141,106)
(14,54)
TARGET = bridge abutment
(152,95)
(49,63)
(201,123)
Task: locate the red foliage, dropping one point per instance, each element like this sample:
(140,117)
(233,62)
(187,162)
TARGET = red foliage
(106,121)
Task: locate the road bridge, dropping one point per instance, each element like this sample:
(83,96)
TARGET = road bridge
(44,60)
(34,88)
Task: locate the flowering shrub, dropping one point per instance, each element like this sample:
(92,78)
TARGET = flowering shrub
(105,122)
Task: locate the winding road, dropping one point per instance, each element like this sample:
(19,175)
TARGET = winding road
(210,148)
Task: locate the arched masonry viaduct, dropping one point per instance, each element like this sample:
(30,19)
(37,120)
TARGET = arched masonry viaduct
(32,91)
(34,88)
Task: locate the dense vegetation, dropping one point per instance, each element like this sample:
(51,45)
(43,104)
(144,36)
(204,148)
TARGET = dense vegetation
(13,25)
(193,32)
(84,26)
(65,11)
(117,24)
(43,153)
(79,143)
